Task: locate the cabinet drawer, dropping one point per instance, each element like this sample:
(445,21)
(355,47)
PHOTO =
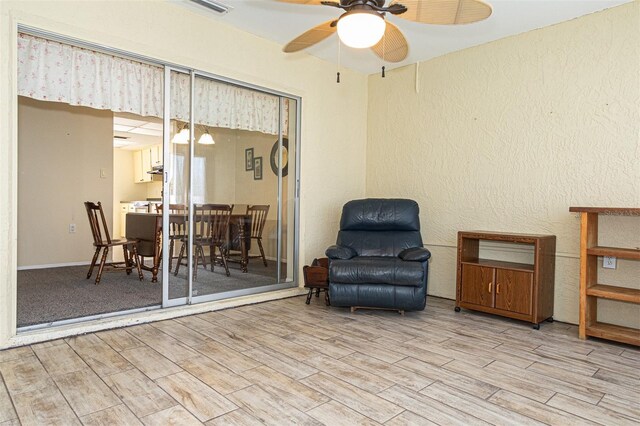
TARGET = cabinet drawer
(514,291)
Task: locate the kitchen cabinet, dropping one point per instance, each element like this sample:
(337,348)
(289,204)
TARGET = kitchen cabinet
(124,209)
(156,155)
(144,160)
(516,290)
(141,165)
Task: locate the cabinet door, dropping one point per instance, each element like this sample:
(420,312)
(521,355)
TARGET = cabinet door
(146,164)
(156,155)
(514,291)
(477,285)
(137,167)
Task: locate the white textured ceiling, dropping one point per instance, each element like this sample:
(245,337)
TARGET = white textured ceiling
(281,22)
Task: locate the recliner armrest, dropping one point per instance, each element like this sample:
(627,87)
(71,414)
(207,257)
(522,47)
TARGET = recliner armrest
(340,252)
(415,254)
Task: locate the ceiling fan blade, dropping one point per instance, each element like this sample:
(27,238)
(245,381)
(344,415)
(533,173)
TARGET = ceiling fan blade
(393,46)
(309,2)
(311,37)
(445,12)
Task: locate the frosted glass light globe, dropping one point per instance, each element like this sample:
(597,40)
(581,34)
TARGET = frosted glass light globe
(361,29)
(182,137)
(206,139)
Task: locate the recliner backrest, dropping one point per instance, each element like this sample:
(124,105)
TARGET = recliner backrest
(380,227)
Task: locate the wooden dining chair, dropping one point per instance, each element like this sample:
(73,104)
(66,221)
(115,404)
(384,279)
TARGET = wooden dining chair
(210,229)
(177,227)
(102,241)
(258,215)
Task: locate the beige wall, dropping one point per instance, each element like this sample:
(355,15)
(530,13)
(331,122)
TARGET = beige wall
(261,191)
(506,136)
(61,151)
(220,166)
(332,148)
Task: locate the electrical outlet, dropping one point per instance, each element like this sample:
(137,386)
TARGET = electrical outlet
(609,262)
(72,228)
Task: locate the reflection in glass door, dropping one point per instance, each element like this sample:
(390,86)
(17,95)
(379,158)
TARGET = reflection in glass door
(231,190)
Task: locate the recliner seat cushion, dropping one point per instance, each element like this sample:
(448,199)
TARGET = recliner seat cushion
(376,270)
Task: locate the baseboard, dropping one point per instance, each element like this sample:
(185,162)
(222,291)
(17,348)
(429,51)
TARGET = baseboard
(53,265)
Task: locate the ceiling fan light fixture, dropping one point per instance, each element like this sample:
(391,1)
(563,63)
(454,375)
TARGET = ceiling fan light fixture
(361,28)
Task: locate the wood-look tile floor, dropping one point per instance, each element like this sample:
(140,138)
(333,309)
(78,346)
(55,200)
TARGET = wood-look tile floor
(284,362)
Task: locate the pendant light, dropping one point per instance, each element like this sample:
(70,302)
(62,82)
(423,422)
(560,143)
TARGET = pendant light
(182,137)
(206,138)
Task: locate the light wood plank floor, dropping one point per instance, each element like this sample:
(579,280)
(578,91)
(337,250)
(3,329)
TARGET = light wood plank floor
(287,363)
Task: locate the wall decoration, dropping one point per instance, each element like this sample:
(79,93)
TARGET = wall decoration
(248,159)
(275,157)
(257,168)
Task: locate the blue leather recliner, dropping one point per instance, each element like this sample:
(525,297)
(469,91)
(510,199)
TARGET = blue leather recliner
(379,261)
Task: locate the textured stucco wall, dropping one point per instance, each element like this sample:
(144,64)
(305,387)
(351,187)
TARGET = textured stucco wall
(506,136)
(332,148)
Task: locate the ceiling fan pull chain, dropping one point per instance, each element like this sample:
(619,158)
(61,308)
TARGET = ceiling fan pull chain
(338,71)
(384,45)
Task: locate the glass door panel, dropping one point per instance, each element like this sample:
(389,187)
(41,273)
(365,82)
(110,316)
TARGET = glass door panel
(235,191)
(230,187)
(176,196)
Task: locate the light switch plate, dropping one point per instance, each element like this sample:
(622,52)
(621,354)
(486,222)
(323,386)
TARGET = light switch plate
(103,173)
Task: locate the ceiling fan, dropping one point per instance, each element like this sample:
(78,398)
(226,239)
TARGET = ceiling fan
(363,24)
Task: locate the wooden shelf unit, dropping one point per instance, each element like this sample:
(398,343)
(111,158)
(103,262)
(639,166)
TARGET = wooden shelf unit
(590,290)
(515,290)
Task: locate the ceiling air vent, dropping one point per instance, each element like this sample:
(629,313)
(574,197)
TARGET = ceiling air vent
(216,6)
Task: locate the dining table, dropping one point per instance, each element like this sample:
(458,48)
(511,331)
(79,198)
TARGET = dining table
(146,228)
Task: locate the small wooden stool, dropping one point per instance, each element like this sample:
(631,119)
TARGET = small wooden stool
(316,277)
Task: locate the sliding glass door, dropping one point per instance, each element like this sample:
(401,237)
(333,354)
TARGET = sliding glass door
(200,171)
(230,184)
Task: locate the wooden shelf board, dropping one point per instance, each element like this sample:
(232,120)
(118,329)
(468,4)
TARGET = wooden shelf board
(622,294)
(629,211)
(504,237)
(614,332)
(624,253)
(499,264)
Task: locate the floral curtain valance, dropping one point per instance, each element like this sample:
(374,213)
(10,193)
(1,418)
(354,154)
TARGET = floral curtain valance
(52,71)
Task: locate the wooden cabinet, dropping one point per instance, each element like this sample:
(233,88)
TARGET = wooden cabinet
(590,289)
(517,290)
